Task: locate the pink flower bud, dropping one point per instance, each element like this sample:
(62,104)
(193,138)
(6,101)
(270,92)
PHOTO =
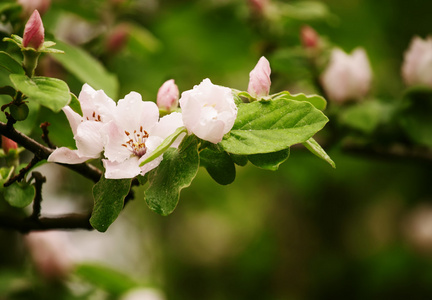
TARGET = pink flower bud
(417,65)
(117,40)
(34,32)
(258,5)
(8,144)
(259,79)
(309,37)
(347,77)
(168,95)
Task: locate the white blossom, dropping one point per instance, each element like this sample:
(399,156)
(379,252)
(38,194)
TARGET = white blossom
(417,65)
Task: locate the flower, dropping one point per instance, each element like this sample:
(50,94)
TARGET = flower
(259,79)
(309,37)
(347,76)
(29,6)
(143,294)
(134,134)
(208,111)
(98,110)
(168,95)
(417,64)
(34,32)
(8,144)
(52,253)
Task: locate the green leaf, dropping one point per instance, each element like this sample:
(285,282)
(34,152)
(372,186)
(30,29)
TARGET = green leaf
(166,143)
(269,161)
(176,171)
(19,112)
(415,116)
(10,64)
(219,165)
(109,195)
(19,194)
(364,116)
(271,126)
(316,149)
(5,174)
(75,105)
(50,92)
(108,279)
(239,160)
(7,90)
(318,101)
(87,69)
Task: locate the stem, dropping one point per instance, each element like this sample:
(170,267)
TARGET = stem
(30,61)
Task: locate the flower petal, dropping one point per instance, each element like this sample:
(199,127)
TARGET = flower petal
(89,139)
(73,118)
(67,156)
(166,126)
(115,139)
(128,168)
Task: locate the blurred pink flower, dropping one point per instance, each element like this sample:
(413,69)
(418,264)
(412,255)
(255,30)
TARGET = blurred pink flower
(259,79)
(258,5)
(29,6)
(134,134)
(8,144)
(309,37)
(168,95)
(34,32)
(347,77)
(97,109)
(51,252)
(417,65)
(208,111)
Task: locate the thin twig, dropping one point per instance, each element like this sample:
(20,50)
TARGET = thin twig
(45,137)
(22,172)
(39,180)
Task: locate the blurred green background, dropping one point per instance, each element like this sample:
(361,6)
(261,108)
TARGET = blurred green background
(305,231)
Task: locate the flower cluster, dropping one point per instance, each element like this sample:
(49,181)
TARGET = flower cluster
(128,132)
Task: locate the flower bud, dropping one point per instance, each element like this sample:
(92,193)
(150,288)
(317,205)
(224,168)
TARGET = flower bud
(347,77)
(34,32)
(8,144)
(259,79)
(168,95)
(417,65)
(258,5)
(309,37)
(117,39)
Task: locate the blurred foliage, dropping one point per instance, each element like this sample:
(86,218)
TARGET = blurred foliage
(305,231)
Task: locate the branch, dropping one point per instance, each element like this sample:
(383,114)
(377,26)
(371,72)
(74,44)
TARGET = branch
(43,152)
(25,225)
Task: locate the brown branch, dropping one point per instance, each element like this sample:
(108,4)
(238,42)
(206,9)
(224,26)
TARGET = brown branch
(25,225)
(45,137)
(22,172)
(39,181)
(43,152)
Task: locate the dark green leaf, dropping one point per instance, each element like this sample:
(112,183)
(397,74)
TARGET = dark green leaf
(316,149)
(176,171)
(28,125)
(219,165)
(318,101)
(87,69)
(107,279)
(19,112)
(19,194)
(5,174)
(50,92)
(7,90)
(75,105)
(271,126)
(364,116)
(269,161)
(109,195)
(239,160)
(10,64)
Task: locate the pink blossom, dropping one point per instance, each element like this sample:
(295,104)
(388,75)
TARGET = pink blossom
(259,79)
(168,95)
(309,37)
(34,32)
(134,134)
(8,144)
(29,6)
(347,77)
(417,65)
(97,110)
(208,111)
(51,252)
